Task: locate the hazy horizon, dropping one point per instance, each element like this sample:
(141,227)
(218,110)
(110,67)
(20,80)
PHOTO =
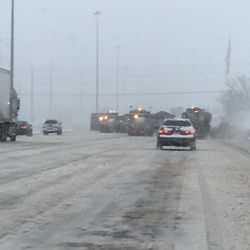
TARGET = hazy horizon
(165,46)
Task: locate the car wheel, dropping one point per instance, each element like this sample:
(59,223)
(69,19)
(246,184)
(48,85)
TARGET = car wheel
(30,134)
(59,133)
(45,133)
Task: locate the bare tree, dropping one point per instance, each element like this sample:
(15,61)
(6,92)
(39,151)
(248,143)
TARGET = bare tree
(236,99)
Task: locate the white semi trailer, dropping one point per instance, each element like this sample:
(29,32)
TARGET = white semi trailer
(9,107)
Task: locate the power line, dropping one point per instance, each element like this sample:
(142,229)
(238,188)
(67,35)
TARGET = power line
(213,92)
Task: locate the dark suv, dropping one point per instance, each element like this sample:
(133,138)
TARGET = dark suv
(24,128)
(52,126)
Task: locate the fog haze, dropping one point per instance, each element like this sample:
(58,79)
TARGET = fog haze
(165,46)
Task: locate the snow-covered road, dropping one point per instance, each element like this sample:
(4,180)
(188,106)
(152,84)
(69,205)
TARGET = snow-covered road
(86,190)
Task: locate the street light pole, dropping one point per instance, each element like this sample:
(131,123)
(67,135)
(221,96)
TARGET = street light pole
(97,14)
(117,76)
(12,44)
(12,56)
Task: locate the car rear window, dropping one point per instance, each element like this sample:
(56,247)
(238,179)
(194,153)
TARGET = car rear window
(178,123)
(22,123)
(51,122)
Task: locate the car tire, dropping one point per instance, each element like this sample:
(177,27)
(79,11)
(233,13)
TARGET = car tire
(59,133)
(45,133)
(30,134)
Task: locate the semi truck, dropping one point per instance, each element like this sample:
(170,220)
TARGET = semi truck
(109,122)
(159,117)
(9,107)
(140,123)
(201,120)
(95,121)
(143,122)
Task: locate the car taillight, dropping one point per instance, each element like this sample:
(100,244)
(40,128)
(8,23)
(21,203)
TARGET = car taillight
(188,132)
(165,132)
(23,126)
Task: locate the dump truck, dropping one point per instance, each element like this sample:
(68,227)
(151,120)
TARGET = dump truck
(9,107)
(108,122)
(95,122)
(159,117)
(140,123)
(122,123)
(201,120)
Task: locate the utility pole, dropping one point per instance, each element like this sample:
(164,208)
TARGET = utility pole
(117,77)
(12,54)
(32,96)
(97,14)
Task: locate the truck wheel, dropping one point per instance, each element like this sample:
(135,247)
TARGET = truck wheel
(13,138)
(151,133)
(3,137)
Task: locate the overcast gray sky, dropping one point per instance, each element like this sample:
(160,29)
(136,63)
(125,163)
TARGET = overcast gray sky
(165,45)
